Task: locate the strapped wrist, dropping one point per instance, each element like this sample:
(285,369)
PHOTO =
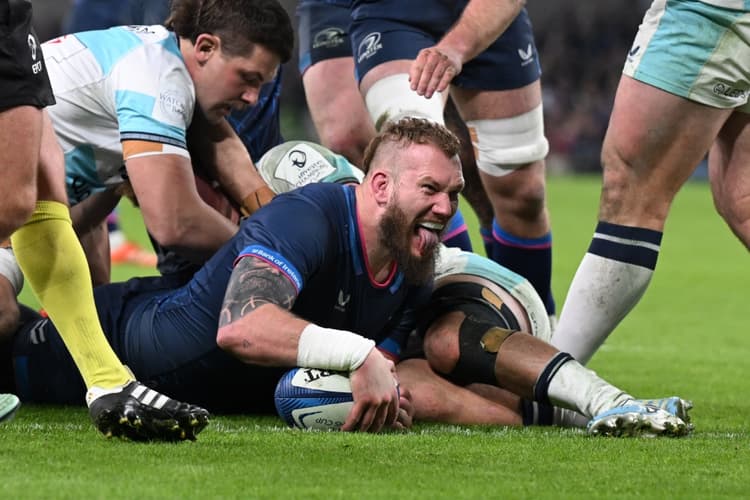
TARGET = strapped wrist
(331,349)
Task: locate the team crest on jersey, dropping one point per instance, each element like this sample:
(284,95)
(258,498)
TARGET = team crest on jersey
(329,38)
(369,46)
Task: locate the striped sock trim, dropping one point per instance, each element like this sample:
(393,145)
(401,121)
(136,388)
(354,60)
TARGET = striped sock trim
(631,245)
(542,383)
(508,239)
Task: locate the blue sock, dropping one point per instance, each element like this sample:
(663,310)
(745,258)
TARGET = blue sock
(456,234)
(486,233)
(531,258)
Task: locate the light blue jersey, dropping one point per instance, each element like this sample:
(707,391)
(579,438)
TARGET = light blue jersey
(121,93)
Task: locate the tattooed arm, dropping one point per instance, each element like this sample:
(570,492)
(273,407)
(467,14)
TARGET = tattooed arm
(256,325)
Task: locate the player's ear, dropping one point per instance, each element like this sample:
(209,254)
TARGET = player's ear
(380,184)
(205,46)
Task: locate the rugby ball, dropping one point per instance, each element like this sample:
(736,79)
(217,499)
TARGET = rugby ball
(307,398)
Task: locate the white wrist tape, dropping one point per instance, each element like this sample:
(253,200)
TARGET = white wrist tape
(330,349)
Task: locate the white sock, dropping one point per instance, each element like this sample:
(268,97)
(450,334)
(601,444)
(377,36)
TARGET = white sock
(603,291)
(563,417)
(576,387)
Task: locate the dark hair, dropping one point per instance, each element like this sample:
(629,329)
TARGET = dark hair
(239,24)
(411,130)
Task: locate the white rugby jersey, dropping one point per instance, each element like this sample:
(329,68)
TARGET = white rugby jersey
(125,86)
(454,261)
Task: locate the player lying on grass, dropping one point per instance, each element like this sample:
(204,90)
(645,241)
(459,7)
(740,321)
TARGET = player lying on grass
(346,258)
(168,337)
(480,356)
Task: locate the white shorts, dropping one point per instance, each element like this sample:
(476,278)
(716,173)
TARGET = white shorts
(694,50)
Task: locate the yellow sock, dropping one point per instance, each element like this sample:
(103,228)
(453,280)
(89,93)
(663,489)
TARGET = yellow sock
(53,262)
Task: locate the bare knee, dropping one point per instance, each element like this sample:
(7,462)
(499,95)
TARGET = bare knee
(519,195)
(441,346)
(17,207)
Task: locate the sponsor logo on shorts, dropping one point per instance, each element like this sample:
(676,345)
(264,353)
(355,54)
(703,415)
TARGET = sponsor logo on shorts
(633,52)
(36,67)
(172,103)
(527,56)
(369,46)
(328,38)
(725,90)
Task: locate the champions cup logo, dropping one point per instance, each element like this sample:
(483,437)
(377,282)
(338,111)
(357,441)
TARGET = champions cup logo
(328,38)
(298,158)
(369,46)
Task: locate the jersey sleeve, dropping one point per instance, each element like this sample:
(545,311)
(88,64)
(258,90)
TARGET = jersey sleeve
(154,101)
(304,244)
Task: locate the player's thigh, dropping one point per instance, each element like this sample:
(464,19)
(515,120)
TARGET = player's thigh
(20,139)
(480,104)
(656,139)
(729,169)
(334,99)
(51,175)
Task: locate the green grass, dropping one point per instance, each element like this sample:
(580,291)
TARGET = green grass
(688,336)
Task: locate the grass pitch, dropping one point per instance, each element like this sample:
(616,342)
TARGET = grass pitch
(688,336)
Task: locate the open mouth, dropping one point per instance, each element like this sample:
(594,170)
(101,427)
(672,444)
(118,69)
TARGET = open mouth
(428,235)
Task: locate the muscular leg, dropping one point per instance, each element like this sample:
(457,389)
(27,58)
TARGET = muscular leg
(337,108)
(521,238)
(729,161)
(20,139)
(519,363)
(435,399)
(473,191)
(654,142)
(53,262)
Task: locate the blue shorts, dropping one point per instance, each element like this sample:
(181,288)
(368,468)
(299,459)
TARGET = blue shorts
(390,30)
(323,30)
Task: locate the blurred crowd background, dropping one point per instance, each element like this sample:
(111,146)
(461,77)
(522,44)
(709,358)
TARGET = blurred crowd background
(582,46)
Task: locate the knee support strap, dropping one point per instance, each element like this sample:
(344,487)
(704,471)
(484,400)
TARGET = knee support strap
(478,341)
(504,144)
